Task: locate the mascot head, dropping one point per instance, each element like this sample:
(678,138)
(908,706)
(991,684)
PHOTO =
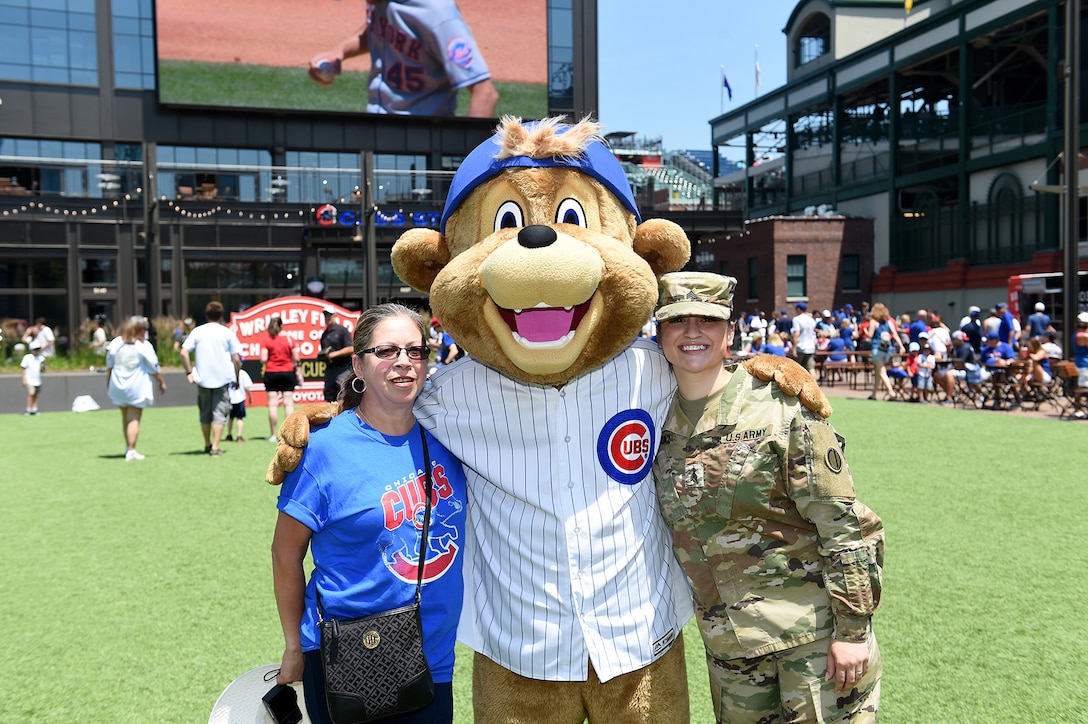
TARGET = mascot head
(541,268)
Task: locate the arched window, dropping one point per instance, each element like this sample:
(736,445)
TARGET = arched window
(813,39)
(1004,216)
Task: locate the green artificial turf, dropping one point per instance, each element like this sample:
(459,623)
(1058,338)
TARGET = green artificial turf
(137,591)
(256,86)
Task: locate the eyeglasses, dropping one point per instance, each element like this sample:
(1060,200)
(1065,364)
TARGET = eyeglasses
(393,352)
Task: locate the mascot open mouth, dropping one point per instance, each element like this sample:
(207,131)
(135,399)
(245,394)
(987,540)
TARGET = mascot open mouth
(544,327)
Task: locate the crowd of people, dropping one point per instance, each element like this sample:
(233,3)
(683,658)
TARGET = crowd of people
(921,358)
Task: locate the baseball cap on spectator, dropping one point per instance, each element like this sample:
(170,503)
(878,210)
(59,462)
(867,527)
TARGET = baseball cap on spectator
(1001,305)
(329,311)
(826,313)
(1082,318)
(800,305)
(435,322)
(35,345)
(957,334)
(914,347)
(993,335)
(1039,306)
(848,306)
(782,311)
(923,335)
(974,311)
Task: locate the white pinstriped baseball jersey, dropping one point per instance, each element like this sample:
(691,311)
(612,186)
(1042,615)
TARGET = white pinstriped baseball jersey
(567,558)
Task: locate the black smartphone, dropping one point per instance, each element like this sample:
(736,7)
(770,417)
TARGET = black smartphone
(281,702)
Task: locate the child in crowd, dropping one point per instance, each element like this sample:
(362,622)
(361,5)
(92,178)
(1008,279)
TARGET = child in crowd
(241,392)
(923,378)
(33,365)
(910,366)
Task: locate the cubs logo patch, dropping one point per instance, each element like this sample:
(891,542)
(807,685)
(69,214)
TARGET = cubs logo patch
(459,51)
(625,446)
(326,215)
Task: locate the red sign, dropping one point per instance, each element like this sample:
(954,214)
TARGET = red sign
(303,321)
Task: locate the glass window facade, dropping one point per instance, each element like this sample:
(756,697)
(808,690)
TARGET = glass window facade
(133,44)
(48,41)
(560,56)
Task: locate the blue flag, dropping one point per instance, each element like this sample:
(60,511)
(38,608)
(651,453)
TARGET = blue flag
(728,89)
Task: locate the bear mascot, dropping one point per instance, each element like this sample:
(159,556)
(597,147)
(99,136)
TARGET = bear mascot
(543,271)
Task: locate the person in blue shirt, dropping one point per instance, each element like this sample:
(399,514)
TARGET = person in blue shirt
(1006,330)
(356,502)
(997,355)
(1039,322)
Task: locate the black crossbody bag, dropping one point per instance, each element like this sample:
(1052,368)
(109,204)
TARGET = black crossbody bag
(374,665)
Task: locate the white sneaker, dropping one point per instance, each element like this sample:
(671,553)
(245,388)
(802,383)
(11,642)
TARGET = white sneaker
(272,438)
(133,455)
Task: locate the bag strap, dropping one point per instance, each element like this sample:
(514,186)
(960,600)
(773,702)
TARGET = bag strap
(428,488)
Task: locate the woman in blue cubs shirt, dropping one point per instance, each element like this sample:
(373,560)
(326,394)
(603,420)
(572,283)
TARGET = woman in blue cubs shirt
(356,502)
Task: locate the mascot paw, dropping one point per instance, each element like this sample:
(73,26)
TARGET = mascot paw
(791,378)
(294,436)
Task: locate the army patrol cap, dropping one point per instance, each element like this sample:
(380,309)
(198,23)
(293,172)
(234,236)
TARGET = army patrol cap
(695,294)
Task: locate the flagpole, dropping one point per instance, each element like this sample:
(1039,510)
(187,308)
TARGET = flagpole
(757,70)
(721,87)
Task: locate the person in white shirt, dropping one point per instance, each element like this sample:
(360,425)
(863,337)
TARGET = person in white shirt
(804,337)
(216,365)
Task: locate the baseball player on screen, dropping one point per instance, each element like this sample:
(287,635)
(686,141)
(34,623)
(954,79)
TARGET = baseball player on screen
(421,53)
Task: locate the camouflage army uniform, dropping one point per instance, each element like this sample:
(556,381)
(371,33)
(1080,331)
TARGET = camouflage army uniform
(780,554)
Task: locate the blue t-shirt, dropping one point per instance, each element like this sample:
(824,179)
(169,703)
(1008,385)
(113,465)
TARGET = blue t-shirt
(836,346)
(1003,350)
(361,493)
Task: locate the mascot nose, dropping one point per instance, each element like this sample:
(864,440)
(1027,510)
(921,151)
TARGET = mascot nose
(536,236)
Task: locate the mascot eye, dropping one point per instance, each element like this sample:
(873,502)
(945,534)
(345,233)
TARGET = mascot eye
(570,212)
(508,216)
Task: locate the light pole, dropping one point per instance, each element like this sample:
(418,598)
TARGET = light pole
(1071,255)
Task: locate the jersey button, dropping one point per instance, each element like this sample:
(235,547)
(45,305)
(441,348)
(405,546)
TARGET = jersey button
(566,439)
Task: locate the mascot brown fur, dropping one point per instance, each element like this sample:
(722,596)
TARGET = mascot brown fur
(543,273)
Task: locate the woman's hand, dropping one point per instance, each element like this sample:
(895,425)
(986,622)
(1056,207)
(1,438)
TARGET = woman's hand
(846,663)
(291,667)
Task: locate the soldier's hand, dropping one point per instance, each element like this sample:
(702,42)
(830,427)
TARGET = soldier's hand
(295,436)
(791,378)
(847,662)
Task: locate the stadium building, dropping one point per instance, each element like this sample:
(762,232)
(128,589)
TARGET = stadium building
(128,186)
(936,126)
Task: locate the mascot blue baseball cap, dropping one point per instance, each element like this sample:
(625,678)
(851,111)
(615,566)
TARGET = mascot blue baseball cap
(480,165)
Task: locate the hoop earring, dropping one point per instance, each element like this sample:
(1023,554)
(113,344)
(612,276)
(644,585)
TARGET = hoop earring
(354,389)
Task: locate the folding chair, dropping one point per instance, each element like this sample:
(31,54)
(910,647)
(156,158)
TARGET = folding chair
(1074,399)
(968,391)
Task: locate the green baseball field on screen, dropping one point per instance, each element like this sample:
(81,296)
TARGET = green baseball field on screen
(261,86)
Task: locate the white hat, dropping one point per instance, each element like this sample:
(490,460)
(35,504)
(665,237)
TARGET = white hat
(35,345)
(826,313)
(923,335)
(240,702)
(973,310)
(1082,318)
(914,347)
(1039,306)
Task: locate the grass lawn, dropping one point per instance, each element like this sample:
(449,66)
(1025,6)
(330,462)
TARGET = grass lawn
(135,592)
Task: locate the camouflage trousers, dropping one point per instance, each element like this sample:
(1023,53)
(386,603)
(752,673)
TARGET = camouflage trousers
(790,686)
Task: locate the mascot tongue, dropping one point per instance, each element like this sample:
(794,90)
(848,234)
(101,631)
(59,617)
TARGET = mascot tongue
(544,324)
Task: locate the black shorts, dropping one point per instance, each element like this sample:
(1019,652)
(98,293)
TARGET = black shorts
(280,381)
(238,411)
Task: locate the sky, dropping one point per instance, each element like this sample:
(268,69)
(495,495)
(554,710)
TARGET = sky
(660,63)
